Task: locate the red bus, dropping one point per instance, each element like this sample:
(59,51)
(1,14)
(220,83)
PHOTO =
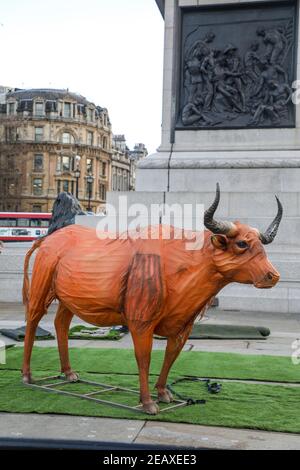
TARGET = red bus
(23,226)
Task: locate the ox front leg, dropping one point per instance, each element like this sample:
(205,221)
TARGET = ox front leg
(142,347)
(174,347)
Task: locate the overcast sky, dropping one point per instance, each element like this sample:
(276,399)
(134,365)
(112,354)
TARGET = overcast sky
(110,51)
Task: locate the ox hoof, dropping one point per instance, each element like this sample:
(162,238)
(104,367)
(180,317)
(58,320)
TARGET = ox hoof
(165,397)
(27,379)
(151,408)
(72,376)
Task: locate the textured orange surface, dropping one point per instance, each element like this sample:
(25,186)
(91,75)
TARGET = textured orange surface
(143,279)
(153,286)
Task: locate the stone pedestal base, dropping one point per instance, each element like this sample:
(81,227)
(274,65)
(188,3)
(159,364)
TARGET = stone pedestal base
(249,182)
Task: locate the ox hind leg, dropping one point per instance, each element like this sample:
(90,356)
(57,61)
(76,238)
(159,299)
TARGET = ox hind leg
(174,347)
(62,324)
(37,302)
(31,327)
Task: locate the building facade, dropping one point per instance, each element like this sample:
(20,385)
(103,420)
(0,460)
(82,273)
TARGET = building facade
(121,165)
(53,141)
(124,163)
(138,153)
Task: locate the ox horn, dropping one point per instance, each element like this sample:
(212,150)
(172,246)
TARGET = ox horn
(267,237)
(224,228)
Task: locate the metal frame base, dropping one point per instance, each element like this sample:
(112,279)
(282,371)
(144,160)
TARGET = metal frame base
(59,381)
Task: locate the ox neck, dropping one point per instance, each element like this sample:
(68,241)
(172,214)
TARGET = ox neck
(192,279)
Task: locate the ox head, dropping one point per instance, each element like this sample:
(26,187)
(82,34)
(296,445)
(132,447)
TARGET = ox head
(239,254)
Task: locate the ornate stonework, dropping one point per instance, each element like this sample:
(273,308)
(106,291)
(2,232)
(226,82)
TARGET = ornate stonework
(237,67)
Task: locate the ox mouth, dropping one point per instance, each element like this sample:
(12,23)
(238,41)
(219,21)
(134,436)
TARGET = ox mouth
(264,286)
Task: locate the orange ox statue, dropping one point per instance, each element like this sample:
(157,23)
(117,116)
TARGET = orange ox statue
(152,286)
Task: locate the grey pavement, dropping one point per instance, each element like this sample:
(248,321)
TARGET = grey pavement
(141,432)
(285,329)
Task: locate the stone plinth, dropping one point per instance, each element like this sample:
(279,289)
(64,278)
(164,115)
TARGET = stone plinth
(252,163)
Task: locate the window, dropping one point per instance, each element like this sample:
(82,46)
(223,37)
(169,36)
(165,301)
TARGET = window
(10,162)
(89,165)
(39,108)
(37,186)
(67,110)
(11,187)
(90,138)
(36,208)
(114,179)
(39,222)
(8,223)
(90,114)
(102,191)
(67,138)
(58,166)
(67,163)
(23,222)
(11,134)
(11,108)
(65,186)
(38,162)
(104,142)
(89,189)
(119,180)
(125,181)
(104,169)
(39,134)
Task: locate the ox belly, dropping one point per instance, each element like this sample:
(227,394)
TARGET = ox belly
(91,281)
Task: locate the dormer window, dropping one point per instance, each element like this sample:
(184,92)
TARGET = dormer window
(90,114)
(39,108)
(67,110)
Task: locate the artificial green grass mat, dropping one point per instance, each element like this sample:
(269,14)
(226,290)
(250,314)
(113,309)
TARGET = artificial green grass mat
(254,406)
(111,335)
(202,364)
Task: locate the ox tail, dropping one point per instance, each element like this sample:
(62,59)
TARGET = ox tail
(26,281)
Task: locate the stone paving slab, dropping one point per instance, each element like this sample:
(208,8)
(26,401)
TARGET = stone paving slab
(57,427)
(34,426)
(195,436)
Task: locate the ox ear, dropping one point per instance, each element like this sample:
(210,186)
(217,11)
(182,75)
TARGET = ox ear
(220,242)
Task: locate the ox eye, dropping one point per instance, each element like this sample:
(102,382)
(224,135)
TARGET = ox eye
(242,244)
